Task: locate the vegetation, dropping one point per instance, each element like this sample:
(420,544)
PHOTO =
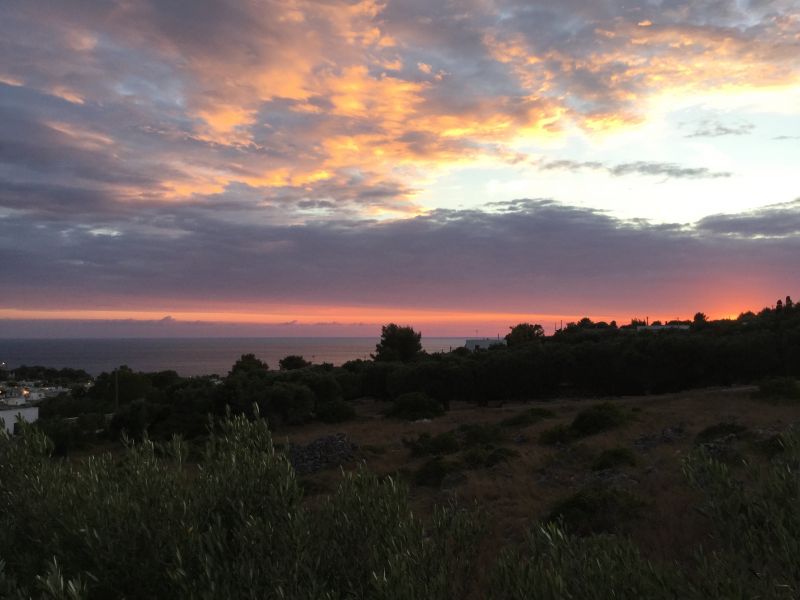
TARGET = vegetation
(595,419)
(416,406)
(146,523)
(398,343)
(613,458)
(142,526)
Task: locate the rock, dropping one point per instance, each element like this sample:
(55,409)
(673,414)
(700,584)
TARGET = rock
(325,452)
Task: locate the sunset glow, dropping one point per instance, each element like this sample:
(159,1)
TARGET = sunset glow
(322,168)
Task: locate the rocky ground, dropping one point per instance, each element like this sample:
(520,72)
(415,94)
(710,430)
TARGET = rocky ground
(495,457)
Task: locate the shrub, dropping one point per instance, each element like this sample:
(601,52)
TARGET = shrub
(415,406)
(598,418)
(554,565)
(499,455)
(596,509)
(559,434)
(142,525)
(614,457)
(756,527)
(335,411)
(527,417)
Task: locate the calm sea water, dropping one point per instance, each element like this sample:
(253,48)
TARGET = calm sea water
(189,356)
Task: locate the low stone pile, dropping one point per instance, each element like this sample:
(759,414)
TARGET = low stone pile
(329,451)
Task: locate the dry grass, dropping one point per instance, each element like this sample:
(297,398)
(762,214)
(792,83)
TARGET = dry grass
(521,491)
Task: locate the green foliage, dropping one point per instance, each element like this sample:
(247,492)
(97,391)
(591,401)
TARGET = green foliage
(397,343)
(596,509)
(554,565)
(593,420)
(756,525)
(613,458)
(335,411)
(780,389)
(416,406)
(527,417)
(598,418)
(144,525)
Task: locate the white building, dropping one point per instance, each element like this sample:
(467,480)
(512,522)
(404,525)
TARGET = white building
(483,343)
(9,415)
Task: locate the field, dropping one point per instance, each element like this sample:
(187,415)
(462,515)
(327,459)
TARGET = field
(523,489)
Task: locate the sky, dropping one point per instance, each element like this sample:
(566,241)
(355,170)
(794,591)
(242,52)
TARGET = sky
(315,168)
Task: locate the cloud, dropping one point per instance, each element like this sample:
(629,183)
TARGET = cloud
(528,255)
(716,129)
(655,169)
(153,102)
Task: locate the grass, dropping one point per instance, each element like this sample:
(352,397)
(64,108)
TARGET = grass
(596,509)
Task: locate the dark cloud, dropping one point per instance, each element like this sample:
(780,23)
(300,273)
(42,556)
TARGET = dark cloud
(780,221)
(526,255)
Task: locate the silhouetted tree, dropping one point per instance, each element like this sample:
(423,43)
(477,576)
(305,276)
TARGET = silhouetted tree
(292,362)
(523,333)
(248,363)
(398,343)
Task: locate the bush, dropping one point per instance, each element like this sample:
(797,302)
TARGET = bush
(485,456)
(527,417)
(613,458)
(756,527)
(596,509)
(554,565)
(143,525)
(415,406)
(336,411)
(598,418)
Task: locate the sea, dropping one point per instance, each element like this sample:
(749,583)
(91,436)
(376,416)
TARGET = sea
(189,356)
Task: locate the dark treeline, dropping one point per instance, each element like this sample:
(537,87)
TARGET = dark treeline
(583,359)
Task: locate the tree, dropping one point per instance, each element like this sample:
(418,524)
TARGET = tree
(248,363)
(524,333)
(292,362)
(397,343)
